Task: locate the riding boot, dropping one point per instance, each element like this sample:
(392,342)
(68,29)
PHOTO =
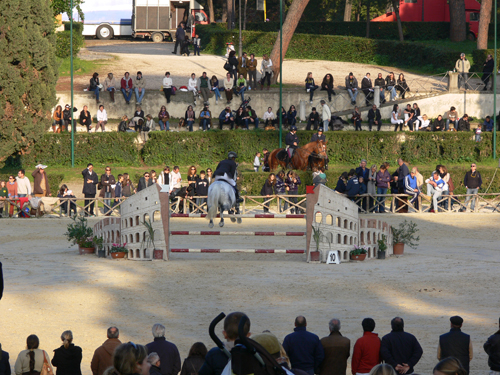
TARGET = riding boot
(237,196)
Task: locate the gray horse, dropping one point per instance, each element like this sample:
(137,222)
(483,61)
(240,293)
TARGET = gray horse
(221,196)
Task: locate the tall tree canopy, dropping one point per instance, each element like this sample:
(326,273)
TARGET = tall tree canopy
(28,73)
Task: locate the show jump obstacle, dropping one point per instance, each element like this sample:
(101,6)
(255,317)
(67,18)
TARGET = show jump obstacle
(334,215)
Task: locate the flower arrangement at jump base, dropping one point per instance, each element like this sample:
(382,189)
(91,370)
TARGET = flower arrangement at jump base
(359,253)
(118,250)
(79,233)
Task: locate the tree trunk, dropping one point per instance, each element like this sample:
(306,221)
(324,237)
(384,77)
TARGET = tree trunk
(211,10)
(224,11)
(230,14)
(348,11)
(368,18)
(484,23)
(457,21)
(398,18)
(245,16)
(292,19)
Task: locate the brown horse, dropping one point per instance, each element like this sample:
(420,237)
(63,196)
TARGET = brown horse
(301,156)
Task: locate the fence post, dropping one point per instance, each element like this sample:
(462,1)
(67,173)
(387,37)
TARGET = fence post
(453,81)
(376,96)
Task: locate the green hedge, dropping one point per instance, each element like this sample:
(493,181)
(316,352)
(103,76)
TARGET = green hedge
(63,40)
(333,48)
(479,57)
(55,180)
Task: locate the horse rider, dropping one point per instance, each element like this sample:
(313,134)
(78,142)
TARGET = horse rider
(319,136)
(292,143)
(226,171)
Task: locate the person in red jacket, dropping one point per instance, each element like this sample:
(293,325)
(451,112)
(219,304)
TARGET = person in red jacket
(127,85)
(366,353)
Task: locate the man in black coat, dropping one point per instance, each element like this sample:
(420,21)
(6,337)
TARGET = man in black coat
(374,118)
(90,180)
(144,182)
(488,68)
(456,343)
(400,349)
(180,36)
(170,360)
(464,124)
(492,348)
(438,125)
(313,119)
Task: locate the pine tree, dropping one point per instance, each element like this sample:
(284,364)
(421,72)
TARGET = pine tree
(28,73)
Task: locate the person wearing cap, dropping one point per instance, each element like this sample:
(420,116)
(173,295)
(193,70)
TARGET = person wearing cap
(226,118)
(41,187)
(351,85)
(227,171)
(90,180)
(366,352)
(456,343)
(313,119)
(326,115)
(374,118)
(139,87)
(491,347)
(319,136)
(462,66)
(337,349)
(292,143)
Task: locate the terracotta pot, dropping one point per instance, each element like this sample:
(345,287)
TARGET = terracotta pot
(398,248)
(158,254)
(120,254)
(314,256)
(359,257)
(86,250)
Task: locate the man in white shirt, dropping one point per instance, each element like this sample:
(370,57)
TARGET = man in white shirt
(23,184)
(102,118)
(269,118)
(327,115)
(193,86)
(175,181)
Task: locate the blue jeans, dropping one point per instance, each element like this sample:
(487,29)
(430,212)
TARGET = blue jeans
(190,125)
(241,91)
(164,125)
(392,89)
(381,200)
(256,123)
(200,201)
(22,195)
(473,203)
(325,125)
(205,123)
(353,94)
(139,96)
(107,209)
(217,93)
(382,96)
(283,205)
(447,126)
(127,96)
(96,91)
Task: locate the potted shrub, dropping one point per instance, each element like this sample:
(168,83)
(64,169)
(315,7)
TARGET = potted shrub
(79,233)
(359,253)
(118,251)
(317,237)
(405,234)
(150,239)
(98,244)
(382,247)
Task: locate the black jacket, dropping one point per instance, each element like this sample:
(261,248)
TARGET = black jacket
(340,186)
(215,361)
(123,126)
(201,187)
(313,117)
(68,360)
(87,117)
(142,183)
(366,83)
(374,115)
(403,171)
(192,365)
(89,187)
(290,139)
(463,125)
(400,347)
(170,360)
(488,66)
(234,62)
(4,363)
(227,166)
(139,114)
(455,344)
(380,82)
(316,137)
(389,81)
(438,126)
(154,370)
(473,181)
(492,348)
(180,34)
(267,188)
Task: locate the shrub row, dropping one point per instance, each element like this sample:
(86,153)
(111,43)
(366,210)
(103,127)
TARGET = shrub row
(63,40)
(333,48)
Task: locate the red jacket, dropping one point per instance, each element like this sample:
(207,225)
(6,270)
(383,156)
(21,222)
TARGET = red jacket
(127,84)
(366,354)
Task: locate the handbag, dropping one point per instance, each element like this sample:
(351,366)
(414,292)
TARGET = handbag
(228,66)
(46,368)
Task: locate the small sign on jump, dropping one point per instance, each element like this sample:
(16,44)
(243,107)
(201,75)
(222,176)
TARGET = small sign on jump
(333,257)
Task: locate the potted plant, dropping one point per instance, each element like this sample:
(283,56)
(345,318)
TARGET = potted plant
(317,237)
(150,239)
(98,242)
(382,247)
(118,251)
(359,253)
(79,233)
(405,234)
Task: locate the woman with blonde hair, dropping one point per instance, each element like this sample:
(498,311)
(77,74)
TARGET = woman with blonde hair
(129,359)
(383,369)
(449,366)
(31,360)
(68,357)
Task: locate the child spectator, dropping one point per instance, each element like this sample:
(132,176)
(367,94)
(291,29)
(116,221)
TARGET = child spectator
(319,179)
(123,126)
(196,357)
(64,192)
(265,160)
(478,134)
(488,124)
(150,123)
(268,190)
(280,189)
(196,45)
(4,193)
(352,188)
(362,190)
(185,46)
(12,193)
(256,162)
(201,189)
(341,183)
(118,190)
(293,182)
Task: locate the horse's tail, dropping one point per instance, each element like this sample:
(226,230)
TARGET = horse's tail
(273,159)
(213,199)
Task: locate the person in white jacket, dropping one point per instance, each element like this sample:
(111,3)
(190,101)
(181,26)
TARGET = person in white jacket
(23,184)
(327,115)
(167,86)
(102,118)
(256,162)
(193,86)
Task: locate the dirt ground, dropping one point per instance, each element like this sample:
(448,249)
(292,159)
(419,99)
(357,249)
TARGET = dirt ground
(49,288)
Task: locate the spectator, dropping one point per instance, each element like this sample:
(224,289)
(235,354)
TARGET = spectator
(90,180)
(214,84)
(448,187)
(57,117)
(383,369)
(280,189)
(402,85)
(366,352)
(144,182)
(252,72)
(362,171)
(138,115)
(265,160)
(102,118)
(269,118)
(110,86)
(191,190)
(383,181)
(412,188)
(268,190)
(452,117)
(319,136)
(478,133)
(408,115)
(195,359)
(380,82)
(492,348)
(352,188)
(189,117)
(463,124)
(164,177)
(266,71)
(488,68)
(456,344)
(326,115)
(4,356)
(304,348)
(403,171)
(488,124)
(351,84)
(164,119)
(127,86)
(169,354)
(313,119)
(356,119)
(95,86)
(439,124)
(423,123)
(319,177)
(241,86)
(390,85)
(362,187)
(153,177)
(4,194)
(337,350)
(201,189)
(284,120)
(341,183)
(86,118)
(216,360)
(462,66)
(311,86)
(127,187)
(175,181)
(23,184)
(472,182)
(167,86)
(367,88)
(150,125)
(130,359)
(154,360)
(233,61)
(193,87)
(68,357)
(67,118)
(226,118)
(12,193)
(435,187)
(31,360)
(395,119)
(327,85)
(449,366)
(252,117)
(139,87)
(107,190)
(291,115)
(243,65)
(400,349)
(205,118)
(204,87)
(256,162)
(228,87)
(196,45)
(118,190)
(124,125)
(41,186)
(374,118)
(371,185)
(414,121)
(292,184)
(179,38)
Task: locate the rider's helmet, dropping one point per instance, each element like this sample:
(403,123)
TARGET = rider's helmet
(232,155)
(292,128)
(320,129)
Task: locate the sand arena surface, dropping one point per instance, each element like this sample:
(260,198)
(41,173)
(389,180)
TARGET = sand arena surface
(49,288)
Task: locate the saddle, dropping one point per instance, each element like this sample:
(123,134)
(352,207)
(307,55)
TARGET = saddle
(282,155)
